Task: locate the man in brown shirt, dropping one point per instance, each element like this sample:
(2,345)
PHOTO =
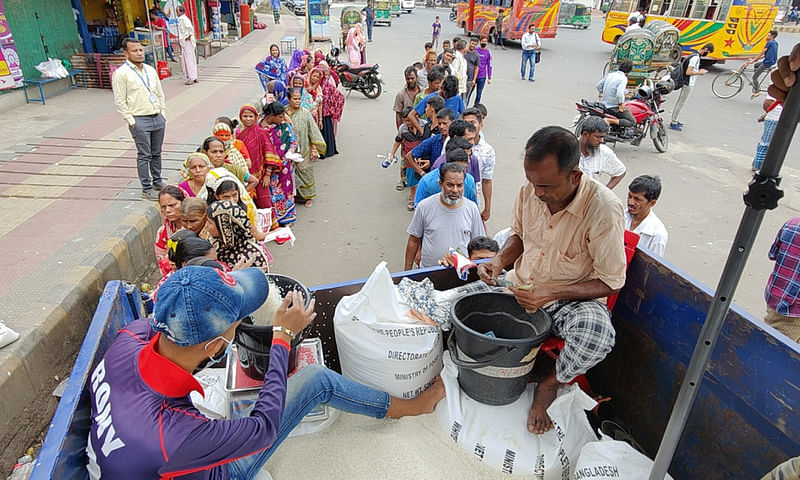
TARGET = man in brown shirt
(405,97)
(567,249)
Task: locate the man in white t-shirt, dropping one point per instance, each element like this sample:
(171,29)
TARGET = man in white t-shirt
(486,160)
(643,192)
(443,221)
(692,71)
(596,157)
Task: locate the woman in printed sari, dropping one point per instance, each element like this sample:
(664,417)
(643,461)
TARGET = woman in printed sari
(214,149)
(332,107)
(311,145)
(297,59)
(354,44)
(313,85)
(280,93)
(263,158)
(194,170)
(273,67)
(307,101)
(281,183)
(235,151)
(231,235)
(222,185)
(302,66)
(169,200)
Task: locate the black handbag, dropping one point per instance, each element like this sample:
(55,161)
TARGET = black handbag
(538,57)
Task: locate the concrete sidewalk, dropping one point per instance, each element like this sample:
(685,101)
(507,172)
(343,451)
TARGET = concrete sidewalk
(71,219)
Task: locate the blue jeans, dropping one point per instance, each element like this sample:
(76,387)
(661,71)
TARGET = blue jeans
(528,57)
(308,388)
(479,84)
(370,23)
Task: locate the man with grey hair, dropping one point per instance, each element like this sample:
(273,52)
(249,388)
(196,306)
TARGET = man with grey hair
(596,157)
(443,221)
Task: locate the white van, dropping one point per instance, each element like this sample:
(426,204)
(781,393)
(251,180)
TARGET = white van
(407,6)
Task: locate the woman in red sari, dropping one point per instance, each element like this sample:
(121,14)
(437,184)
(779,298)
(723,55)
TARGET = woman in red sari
(332,107)
(263,158)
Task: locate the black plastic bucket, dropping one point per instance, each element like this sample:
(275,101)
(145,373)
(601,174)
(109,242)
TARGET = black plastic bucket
(254,341)
(494,343)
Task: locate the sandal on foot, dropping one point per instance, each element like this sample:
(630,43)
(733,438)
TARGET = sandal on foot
(400,186)
(410,206)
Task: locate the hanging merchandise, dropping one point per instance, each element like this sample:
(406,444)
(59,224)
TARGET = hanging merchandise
(216,15)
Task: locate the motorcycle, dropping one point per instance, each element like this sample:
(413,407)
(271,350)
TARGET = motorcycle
(453,14)
(646,109)
(363,78)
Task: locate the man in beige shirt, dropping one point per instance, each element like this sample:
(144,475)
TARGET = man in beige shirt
(140,100)
(567,249)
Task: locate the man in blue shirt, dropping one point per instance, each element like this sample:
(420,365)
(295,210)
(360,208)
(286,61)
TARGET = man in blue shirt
(369,14)
(770,56)
(430,183)
(452,101)
(419,160)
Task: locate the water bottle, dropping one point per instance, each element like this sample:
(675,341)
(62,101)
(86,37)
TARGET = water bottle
(387,160)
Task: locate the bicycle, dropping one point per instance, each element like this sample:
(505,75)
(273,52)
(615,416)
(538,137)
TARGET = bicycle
(729,84)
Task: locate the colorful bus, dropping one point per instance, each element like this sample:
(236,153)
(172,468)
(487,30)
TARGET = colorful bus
(737,28)
(477,17)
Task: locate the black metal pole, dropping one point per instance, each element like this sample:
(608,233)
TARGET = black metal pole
(763,193)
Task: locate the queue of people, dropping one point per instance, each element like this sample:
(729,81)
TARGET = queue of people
(244,181)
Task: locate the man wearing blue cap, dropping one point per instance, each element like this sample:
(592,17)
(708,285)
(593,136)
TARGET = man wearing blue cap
(143,422)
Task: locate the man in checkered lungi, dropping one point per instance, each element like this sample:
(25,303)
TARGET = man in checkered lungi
(567,250)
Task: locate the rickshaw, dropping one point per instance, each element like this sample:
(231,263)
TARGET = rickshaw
(667,49)
(383,13)
(394,6)
(577,14)
(349,17)
(650,53)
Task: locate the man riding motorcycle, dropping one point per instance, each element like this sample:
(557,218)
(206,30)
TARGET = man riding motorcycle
(612,89)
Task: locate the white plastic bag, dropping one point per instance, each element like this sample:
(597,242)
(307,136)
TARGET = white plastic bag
(380,345)
(611,459)
(499,437)
(215,402)
(52,68)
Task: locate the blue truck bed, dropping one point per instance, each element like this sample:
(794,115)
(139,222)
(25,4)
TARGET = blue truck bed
(743,424)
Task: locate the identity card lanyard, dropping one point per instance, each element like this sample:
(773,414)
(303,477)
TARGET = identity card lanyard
(146,83)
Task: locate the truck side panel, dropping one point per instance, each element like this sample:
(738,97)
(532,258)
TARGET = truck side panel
(745,419)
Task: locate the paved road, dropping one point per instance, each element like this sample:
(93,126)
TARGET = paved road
(360,219)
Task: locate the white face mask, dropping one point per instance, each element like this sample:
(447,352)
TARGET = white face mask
(215,360)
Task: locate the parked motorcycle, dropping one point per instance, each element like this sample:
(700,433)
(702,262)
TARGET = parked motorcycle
(363,78)
(646,109)
(453,14)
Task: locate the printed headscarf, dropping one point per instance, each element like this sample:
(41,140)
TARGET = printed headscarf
(223,132)
(236,243)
